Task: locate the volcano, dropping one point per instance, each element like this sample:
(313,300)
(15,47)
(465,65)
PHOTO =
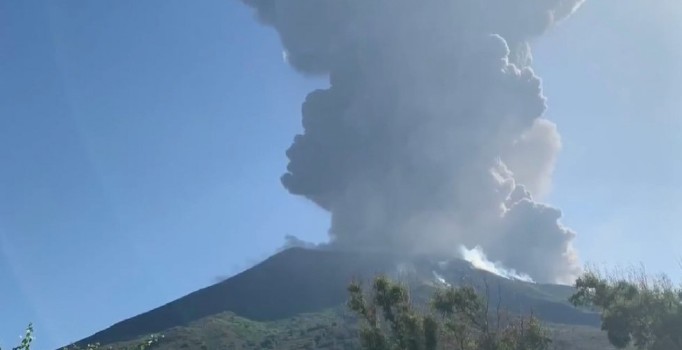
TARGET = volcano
(301,281)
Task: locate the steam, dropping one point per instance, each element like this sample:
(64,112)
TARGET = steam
(440,279)
(291,241)
(478,260)
(431,133)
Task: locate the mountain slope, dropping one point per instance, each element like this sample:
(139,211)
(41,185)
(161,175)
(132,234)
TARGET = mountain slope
(298,281)
(291,282)
(333,329)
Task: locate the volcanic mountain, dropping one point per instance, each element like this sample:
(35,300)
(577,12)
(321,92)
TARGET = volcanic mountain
(301,281)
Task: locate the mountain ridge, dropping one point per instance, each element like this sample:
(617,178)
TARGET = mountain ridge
(297,281)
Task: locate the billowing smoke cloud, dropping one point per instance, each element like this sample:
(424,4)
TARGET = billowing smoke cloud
(431,134)
(533,155)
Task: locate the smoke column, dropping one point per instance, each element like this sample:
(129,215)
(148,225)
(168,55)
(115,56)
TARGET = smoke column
(431,133)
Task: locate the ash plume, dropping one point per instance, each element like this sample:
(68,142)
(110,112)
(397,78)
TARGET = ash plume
(431,133)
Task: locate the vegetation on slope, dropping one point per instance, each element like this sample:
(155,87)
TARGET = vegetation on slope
(636,310)
(459,318)
(333,329)
(298,281)
(144,344)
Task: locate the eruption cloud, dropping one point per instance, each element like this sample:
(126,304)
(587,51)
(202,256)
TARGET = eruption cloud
(431,133)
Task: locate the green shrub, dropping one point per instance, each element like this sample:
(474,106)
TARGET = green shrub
(635,309)
(459,318)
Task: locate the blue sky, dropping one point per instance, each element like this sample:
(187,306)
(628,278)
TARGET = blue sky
(141,144)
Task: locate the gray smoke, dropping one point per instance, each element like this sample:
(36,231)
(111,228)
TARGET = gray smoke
(431,134)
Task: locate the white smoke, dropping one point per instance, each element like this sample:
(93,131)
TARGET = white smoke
(440,279)
(478,259)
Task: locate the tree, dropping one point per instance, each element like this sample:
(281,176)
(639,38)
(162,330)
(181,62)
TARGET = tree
(635,310)
(458,318)
(390,303)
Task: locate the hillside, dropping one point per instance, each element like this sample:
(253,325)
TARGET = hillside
(331,329)
(271,295)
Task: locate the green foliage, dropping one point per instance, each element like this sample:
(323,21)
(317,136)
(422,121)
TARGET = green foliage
(459,318)
(390,303)
(26,339)
(635,310)
(148,344)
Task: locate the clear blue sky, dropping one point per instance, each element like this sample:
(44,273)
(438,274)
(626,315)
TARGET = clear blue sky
(141,144)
